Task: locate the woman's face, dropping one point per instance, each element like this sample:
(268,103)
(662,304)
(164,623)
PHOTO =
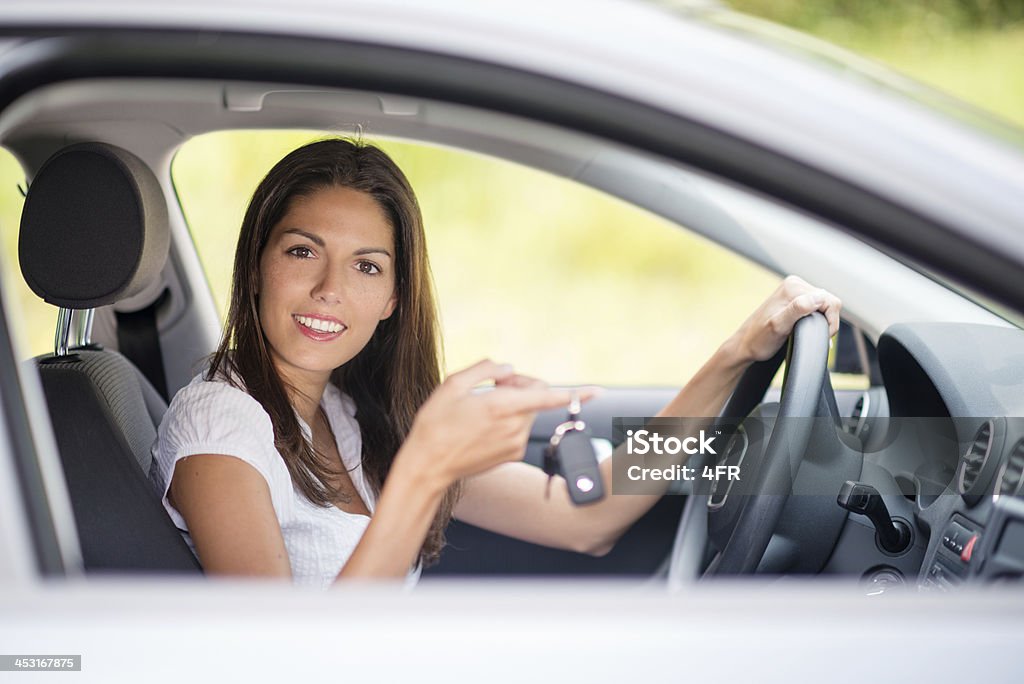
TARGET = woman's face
(326,280)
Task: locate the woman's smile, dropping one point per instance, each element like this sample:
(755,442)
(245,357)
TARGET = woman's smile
(320,328)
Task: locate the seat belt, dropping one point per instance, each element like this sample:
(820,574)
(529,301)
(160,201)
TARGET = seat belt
(139,342)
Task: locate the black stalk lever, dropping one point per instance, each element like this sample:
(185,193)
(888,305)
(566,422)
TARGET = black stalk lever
(893,535)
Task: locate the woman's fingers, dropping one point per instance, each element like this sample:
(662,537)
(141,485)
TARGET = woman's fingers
(766,329)
(507,401)
(513,394)
(784,320)
(480,371)
(809,301)
(476,430)
(519,380)
(833,307)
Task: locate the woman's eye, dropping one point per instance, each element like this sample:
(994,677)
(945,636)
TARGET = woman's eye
(301,252)
(368,267)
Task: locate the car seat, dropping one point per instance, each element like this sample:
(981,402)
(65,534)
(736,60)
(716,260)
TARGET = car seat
(94,231)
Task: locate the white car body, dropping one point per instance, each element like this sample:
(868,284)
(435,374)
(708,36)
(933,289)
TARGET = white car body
(843,125)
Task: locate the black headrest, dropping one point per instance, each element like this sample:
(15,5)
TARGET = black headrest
(94,227)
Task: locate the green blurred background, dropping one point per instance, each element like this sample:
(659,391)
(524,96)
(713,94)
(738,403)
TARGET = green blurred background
(972,49)
(514,302)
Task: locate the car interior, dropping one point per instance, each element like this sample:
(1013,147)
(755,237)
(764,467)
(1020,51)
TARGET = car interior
(94,231)
(103,237)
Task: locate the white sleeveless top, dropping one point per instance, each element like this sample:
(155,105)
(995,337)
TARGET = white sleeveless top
(213,417)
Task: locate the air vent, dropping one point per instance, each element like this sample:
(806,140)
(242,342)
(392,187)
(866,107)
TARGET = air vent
(855,423)
(1013,472)
(974,460)
(860,415)
(858,408)
(735,451)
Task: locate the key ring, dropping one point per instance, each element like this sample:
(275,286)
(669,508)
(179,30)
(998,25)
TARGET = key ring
(573,423)
(582,478)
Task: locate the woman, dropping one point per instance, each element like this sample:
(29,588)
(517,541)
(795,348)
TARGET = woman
(320,443)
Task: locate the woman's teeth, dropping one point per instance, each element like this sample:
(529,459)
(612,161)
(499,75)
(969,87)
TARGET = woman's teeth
(320,325)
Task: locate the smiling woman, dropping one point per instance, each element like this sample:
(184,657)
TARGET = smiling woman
(327,378)
(315,253)
(314,262)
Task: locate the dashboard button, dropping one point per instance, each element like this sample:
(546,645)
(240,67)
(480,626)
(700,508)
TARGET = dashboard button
(965,554)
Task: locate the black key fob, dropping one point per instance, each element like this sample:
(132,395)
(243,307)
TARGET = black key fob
(578,465)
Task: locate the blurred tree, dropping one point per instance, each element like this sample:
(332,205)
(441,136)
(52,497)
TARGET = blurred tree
(874,14)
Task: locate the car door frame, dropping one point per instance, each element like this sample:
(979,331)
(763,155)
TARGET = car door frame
(110,53)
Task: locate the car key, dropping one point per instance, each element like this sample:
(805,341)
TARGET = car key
(571,453)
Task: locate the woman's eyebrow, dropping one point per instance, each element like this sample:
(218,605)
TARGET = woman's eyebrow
(372,250)
(315,239)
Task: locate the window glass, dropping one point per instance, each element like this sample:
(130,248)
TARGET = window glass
(564,282)
(36,320)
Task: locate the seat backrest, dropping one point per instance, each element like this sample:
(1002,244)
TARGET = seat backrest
(94,231)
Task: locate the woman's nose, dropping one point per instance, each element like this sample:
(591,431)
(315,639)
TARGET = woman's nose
(328,286)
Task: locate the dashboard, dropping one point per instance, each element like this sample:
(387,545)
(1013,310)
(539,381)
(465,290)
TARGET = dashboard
(953,442)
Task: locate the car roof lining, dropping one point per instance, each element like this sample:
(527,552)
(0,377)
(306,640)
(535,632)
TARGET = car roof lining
(154,117)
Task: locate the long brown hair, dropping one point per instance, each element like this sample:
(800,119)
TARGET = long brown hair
(391,377)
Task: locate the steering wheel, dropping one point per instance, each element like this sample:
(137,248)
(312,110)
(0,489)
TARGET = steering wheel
(741,527)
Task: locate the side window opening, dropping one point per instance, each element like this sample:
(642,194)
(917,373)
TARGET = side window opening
(561,280)
(39,319)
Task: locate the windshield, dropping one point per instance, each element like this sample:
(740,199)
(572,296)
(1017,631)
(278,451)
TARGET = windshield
(853,66)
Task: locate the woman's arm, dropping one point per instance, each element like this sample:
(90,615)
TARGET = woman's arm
(227,504)
(510,499)
(457,433)
(404,511)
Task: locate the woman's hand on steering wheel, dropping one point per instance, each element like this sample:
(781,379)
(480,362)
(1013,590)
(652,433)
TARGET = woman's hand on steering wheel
(768,327)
